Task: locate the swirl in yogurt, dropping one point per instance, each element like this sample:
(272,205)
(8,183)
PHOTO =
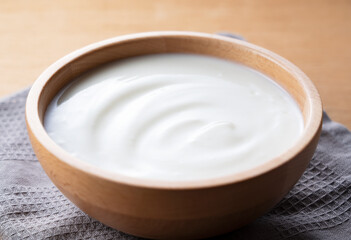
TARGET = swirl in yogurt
(174,117)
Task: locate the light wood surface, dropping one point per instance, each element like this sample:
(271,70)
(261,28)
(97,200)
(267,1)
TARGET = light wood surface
(313,34)
(174,209)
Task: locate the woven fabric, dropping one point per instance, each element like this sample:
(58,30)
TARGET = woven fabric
(31,207)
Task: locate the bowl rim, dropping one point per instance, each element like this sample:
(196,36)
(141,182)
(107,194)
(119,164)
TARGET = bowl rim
(35,126)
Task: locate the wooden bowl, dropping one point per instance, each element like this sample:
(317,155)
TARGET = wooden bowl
(179,210)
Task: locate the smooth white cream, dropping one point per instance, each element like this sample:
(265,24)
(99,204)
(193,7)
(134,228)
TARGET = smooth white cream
(174,117)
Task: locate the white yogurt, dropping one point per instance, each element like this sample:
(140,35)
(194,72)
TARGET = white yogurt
(174,117)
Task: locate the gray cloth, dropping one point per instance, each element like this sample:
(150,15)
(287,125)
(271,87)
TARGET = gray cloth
(31,207)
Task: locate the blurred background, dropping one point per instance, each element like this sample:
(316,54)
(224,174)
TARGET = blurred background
(313,34)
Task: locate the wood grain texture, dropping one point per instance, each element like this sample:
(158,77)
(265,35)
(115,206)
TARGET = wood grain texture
(314,34)
(168,209)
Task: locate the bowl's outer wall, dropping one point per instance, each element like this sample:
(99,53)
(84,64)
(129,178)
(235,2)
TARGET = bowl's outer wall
(178,214)
(159,212)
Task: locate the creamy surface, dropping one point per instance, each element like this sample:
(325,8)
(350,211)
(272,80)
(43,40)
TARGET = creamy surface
(174,117)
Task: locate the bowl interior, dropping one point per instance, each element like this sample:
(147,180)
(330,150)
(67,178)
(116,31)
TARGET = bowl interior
(280,70)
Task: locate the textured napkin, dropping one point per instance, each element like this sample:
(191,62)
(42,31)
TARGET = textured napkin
(31,207)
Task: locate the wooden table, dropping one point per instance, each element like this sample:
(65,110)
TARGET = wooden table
(313,34)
